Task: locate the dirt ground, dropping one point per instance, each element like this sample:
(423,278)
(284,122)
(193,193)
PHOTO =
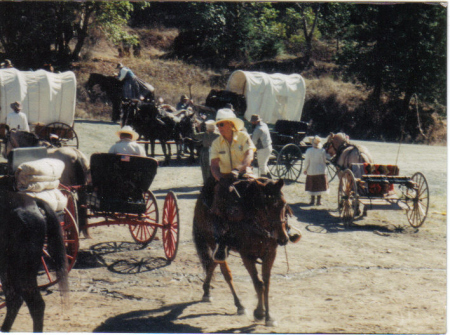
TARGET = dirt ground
(382,276)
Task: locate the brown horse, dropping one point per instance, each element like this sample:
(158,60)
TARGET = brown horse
(257,225)
(345,153)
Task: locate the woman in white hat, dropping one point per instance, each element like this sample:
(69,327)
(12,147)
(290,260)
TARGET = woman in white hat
(315,170)
(127,144)
(232,150)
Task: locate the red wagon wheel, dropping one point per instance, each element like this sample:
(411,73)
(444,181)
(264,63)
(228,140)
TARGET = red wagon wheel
(145,233)
(171,226)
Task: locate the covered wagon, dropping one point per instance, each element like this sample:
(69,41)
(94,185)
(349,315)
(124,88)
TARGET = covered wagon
(273,96)
(48,99)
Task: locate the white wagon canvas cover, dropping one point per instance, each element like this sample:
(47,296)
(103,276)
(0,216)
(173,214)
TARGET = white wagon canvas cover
(272,96)
(46,97)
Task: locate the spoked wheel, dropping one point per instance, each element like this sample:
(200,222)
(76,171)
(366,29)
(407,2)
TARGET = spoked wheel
(171,226)
(290,162)
(347,198)
(47,276)
(272,164)
(417,199)
(331,171)
(145,233)
(65,135)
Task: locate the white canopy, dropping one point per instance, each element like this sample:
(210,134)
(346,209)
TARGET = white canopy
(46,97)
(272,96)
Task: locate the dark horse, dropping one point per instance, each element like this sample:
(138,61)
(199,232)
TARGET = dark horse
(257,223)
(24,224)
(113,89)
(151,123)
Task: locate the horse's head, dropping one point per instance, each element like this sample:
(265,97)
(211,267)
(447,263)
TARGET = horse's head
(276,210)
(335,142)
(328,146)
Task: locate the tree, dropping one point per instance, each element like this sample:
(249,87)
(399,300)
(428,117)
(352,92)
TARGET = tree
(33,33)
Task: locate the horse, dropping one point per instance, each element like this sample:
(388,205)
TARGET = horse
(345,153)
(113,89)
(76,171)
(151,123)
(25,222)
(258,215)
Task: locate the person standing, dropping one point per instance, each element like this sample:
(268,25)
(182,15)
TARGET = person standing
(263,142)
(127,144)
(315,171)
(17,119)
(206,139)
(130,88)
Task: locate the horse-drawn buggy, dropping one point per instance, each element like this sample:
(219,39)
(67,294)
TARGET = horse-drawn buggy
(48,100)
(374,186)
(119,193)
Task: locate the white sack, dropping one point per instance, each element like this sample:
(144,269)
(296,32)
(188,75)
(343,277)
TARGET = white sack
(56,200)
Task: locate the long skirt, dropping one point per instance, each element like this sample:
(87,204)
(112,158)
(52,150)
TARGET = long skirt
(316,184)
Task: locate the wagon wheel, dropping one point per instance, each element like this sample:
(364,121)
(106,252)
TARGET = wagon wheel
(46,276)
(67,137)
(144,234)
(290,162)
(347,198)
(331,171)
(171,226)
(417,199)
(272,164)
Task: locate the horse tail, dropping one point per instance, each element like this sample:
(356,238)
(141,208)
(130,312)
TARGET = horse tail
(56,248)
(200,234)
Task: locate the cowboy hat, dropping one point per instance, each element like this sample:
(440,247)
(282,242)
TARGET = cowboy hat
(119,66)
(316,142)
(255,118)
(226,114)
(130,131)
(16,105)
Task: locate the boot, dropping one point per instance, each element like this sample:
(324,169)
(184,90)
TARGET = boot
(312,200)
(319,200)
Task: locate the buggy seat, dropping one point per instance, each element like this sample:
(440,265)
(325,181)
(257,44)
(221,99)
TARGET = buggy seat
(119,181)
(287,132)
(371,175)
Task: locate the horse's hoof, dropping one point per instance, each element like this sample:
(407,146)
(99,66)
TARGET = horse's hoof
(258,315)
(242,311)
(207,299)
(271,323)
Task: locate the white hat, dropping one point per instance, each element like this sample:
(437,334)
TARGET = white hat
(316,142)
(226,114)
(128,130)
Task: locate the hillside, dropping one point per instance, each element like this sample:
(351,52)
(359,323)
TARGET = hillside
(332,105)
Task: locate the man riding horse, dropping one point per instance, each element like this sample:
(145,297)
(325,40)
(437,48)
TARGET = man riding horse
(231,156)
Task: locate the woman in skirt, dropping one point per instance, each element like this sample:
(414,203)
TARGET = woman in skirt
(315,170)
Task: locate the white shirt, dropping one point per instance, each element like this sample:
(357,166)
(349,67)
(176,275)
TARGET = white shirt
(128,147)
(315,161)
(17,121)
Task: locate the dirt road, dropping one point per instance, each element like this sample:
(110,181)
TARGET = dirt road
(382,276)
